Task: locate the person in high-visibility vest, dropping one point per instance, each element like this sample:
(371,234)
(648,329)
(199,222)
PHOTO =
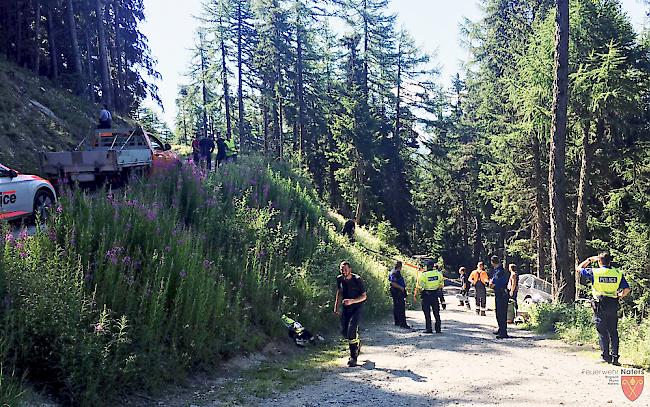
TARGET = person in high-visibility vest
(430,282)
(608,286)
(231,150)
(297,332)
(351,292)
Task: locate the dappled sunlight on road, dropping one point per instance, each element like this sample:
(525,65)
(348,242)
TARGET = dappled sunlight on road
(464,365)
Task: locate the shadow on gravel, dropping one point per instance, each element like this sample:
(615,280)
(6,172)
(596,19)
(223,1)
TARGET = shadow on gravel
(460,336)
(370,365)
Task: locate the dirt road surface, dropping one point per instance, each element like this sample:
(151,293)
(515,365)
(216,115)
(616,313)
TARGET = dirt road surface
(467,366)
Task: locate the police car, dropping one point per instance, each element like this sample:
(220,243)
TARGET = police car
(23,196)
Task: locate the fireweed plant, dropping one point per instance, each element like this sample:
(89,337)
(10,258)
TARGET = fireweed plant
(137,287)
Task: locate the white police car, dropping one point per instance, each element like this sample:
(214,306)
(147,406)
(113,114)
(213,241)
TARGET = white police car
(23,195)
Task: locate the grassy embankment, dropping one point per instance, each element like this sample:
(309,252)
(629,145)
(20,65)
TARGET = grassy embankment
(574,324)
(37,115)
(171,275)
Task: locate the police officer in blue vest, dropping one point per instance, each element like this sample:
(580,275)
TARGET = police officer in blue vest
(608,286)
(431,282)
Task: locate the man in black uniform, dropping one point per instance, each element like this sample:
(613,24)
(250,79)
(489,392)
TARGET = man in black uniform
(348,229)
(206,145)
(398,293)
(350,292)
(221,150)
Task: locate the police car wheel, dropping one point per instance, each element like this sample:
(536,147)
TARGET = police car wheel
(528,301)
(43,201)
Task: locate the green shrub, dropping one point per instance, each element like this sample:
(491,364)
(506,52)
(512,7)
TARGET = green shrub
(574,324)
(545,316)
(635,341)
(578,326)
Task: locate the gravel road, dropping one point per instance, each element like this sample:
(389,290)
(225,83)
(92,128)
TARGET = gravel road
(465,365)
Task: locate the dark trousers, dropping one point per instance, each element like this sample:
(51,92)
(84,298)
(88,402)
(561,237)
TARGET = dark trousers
(350,318)
(430,300)
(481,297)
(104,124)
(208,160)
(399,310)
(606,320)
(501,297)
(197,157)
(219,159)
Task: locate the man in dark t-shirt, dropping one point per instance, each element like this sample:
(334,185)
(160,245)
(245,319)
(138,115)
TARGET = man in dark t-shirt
(206,145)
(351,292)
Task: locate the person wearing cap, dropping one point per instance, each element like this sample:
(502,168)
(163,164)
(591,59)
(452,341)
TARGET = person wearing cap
(608,285)
(430,282)
(351,293)
(499,283)
(398,293)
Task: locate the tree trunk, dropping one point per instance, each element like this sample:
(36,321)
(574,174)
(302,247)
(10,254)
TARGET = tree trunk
(240,75)
(361,196)
(540,215)
(583,195)
(478,238)
(103,55)
(204,88)
(51,40)
(119,77)
(265,115)
(398,106)
(564,286)
(226,90)
(90,74)
(300,90)
(366,41)
(19,33)
(37,35)
(74,44)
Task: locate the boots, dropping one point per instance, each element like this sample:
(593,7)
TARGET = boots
(482,313)
(354,353)
(468,306)
(615,361)
(478,311)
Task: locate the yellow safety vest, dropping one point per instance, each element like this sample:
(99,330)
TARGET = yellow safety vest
(431,280)
(292,324)
(606,282)
(231,149)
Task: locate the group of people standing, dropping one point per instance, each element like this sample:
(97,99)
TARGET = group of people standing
(203,148)
(608,286)
(431,284)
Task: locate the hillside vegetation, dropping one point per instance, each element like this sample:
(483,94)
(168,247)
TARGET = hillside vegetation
(172,274)
(37,115)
